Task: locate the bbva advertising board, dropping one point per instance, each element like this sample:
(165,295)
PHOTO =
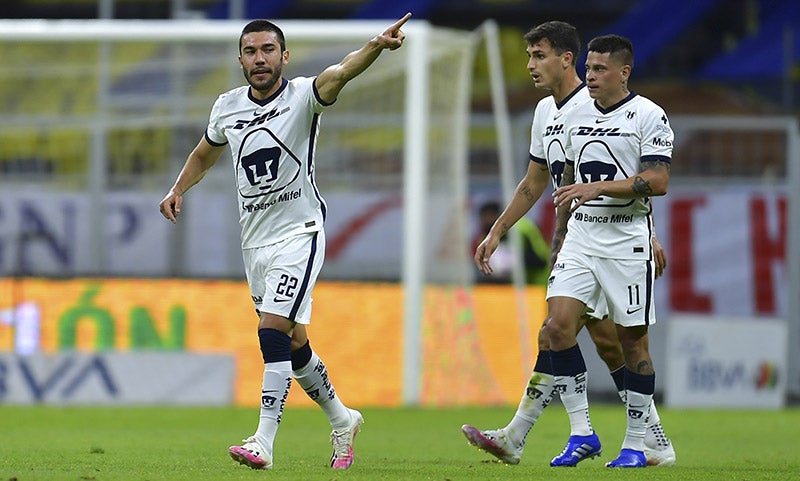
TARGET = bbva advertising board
(721,362)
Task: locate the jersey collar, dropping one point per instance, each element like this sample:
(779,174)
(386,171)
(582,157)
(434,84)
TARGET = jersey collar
(572,94)
(617,105)
(269,99)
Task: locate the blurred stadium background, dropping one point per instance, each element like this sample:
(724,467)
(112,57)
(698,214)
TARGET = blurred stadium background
(93,132)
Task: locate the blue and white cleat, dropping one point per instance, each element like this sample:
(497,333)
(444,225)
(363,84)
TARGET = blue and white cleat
(628,458)
(577,449)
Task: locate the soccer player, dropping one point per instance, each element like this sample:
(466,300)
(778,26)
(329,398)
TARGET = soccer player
(618,150)
(552,49)
(271,126)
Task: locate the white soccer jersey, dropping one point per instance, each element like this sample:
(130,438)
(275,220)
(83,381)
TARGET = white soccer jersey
(273,143)
(548,136)
(610,144)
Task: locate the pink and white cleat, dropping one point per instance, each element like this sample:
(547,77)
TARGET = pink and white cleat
(342,457)
(494,442)
(251,454)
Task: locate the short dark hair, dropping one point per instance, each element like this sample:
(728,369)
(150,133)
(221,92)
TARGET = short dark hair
(263,26)
(562,36)
(615,45)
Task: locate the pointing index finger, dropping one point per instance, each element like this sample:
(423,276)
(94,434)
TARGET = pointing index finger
(396,26)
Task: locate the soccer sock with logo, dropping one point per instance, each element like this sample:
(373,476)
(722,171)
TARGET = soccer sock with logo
(639,390)
(538,395)
(569,370)
(311,374)
(276,349)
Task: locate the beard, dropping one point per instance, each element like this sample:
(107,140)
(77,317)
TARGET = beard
(266,84)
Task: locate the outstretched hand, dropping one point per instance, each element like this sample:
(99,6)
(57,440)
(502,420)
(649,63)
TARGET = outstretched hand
(392,38)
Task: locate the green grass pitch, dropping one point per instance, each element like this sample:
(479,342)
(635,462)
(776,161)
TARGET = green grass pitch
(155,444)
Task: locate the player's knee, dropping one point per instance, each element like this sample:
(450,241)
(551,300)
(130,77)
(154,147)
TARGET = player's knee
(556,331)
(544,341)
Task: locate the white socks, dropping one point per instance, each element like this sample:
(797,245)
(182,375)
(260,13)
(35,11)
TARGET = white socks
(638,411)
(575,401)
(274,390)
(313,378)
(538,395)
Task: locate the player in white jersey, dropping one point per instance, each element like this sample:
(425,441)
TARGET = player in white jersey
(552,50)
(271,127)
(618,151)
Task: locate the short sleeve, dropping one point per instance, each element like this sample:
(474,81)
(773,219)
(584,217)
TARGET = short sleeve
(656,135)
(215,134)
(537,142)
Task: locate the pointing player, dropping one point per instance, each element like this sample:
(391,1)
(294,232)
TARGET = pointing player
(619,149)
(552,49)
(271,126)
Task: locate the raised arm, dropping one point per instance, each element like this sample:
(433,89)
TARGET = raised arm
(197,164)
(528,191)
(331,81)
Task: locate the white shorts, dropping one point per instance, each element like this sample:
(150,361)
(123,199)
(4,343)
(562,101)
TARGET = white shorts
(626,285)
(282,275)
(597,307)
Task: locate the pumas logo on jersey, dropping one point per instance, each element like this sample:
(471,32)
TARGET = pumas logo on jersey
(630,114)
(261,166)
(265,164)
(557,171)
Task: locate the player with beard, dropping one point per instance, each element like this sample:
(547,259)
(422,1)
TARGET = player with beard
(271,126)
